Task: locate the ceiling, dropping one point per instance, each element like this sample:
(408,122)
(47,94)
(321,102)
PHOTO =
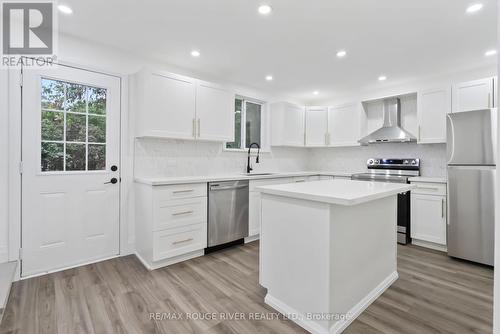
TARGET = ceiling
(297,43)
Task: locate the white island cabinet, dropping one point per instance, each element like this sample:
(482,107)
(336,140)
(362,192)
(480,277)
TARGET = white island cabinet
(327,249)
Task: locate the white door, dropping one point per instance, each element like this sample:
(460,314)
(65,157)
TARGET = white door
(433,106)
(70,178)
(316,126)
(473,95)
(214,113)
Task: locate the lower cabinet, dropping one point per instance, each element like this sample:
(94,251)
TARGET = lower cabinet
(171,223)
(428,215)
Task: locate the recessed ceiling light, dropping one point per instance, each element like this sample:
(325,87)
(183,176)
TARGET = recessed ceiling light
(316,92)
(474,8)
(269,77)
(382,78)
(265,9)
(195,53)
(490,53)
(65,9)
(341,53)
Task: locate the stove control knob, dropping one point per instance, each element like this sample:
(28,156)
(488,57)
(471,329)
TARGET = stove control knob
(370,161)
(377,162)
(413,162)
(405,162)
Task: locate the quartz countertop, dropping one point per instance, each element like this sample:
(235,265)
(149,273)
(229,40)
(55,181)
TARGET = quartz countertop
(157,181)
(341,192)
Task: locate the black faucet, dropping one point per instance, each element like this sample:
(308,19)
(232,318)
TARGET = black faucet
(249,168)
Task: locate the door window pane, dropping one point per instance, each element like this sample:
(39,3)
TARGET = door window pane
(80,119)
(52,125)
(97,157)
(76,127)
(252,123)
(52,157)
(75,157)
(97,129)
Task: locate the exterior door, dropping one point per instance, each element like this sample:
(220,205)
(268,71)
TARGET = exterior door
(70,171)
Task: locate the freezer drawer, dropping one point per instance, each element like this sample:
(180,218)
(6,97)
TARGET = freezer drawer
(471,213)
(471,137)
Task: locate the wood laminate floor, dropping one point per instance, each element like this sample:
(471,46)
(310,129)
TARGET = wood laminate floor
(434,294)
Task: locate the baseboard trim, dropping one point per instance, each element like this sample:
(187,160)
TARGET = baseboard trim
(170,261)
(431,245)
(252,238)
(339,326)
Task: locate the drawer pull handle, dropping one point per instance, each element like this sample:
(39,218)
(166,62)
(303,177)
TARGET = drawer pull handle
(183,191)
(182,213)
(428,188)
(182,241)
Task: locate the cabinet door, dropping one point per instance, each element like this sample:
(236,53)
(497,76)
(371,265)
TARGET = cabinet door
(433,105)
(344,125)
(316,126)
(171,100)
(428,218)
(253,213)
(473,95)
(214,113)
(293,131)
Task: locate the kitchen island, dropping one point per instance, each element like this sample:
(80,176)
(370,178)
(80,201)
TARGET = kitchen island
(327,249)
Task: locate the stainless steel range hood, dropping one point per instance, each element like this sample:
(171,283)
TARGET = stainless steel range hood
(391,131)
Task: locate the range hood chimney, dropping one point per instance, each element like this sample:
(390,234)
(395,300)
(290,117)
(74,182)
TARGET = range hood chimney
(391,131)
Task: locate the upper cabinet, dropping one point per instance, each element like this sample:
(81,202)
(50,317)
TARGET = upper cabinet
(214,112)
(473,95)
(287,124)
(345,124)
(316,126)
(173,106)
(433,105)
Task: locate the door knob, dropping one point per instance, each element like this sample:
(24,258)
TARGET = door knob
(112,181)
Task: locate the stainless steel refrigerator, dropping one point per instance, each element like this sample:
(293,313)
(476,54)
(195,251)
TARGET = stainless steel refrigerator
(471,148)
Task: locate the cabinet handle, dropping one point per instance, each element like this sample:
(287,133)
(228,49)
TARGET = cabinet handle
(442,207)
(489,100)
(183,191)
(182,213)
(194,127)
(182,241)
(199,128)
(428,188)
(419,138)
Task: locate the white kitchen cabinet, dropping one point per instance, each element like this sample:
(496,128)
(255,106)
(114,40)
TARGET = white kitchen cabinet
(433,106)
(345,124)
(473,95)
(214,112)
(316,126)
(171,223)
(173,106)
(428,215)
(287,124)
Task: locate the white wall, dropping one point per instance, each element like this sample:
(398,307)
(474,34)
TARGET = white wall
(4,161)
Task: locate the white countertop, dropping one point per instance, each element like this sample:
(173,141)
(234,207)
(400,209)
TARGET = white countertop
(428,179)
(342,192)
(228,177)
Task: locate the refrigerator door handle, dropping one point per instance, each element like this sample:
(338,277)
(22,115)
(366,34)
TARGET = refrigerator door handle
(452,142)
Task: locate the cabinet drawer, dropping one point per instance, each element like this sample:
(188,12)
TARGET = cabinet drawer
(267,182)
(179,241)
(428,188)
(179,212)
(166,193)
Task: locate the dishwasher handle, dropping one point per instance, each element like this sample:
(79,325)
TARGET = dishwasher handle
(216,187)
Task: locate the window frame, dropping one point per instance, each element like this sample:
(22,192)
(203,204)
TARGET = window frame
(263,125)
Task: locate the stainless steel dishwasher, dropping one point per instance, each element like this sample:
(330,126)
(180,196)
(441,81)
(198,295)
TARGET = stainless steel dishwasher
(227,212)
